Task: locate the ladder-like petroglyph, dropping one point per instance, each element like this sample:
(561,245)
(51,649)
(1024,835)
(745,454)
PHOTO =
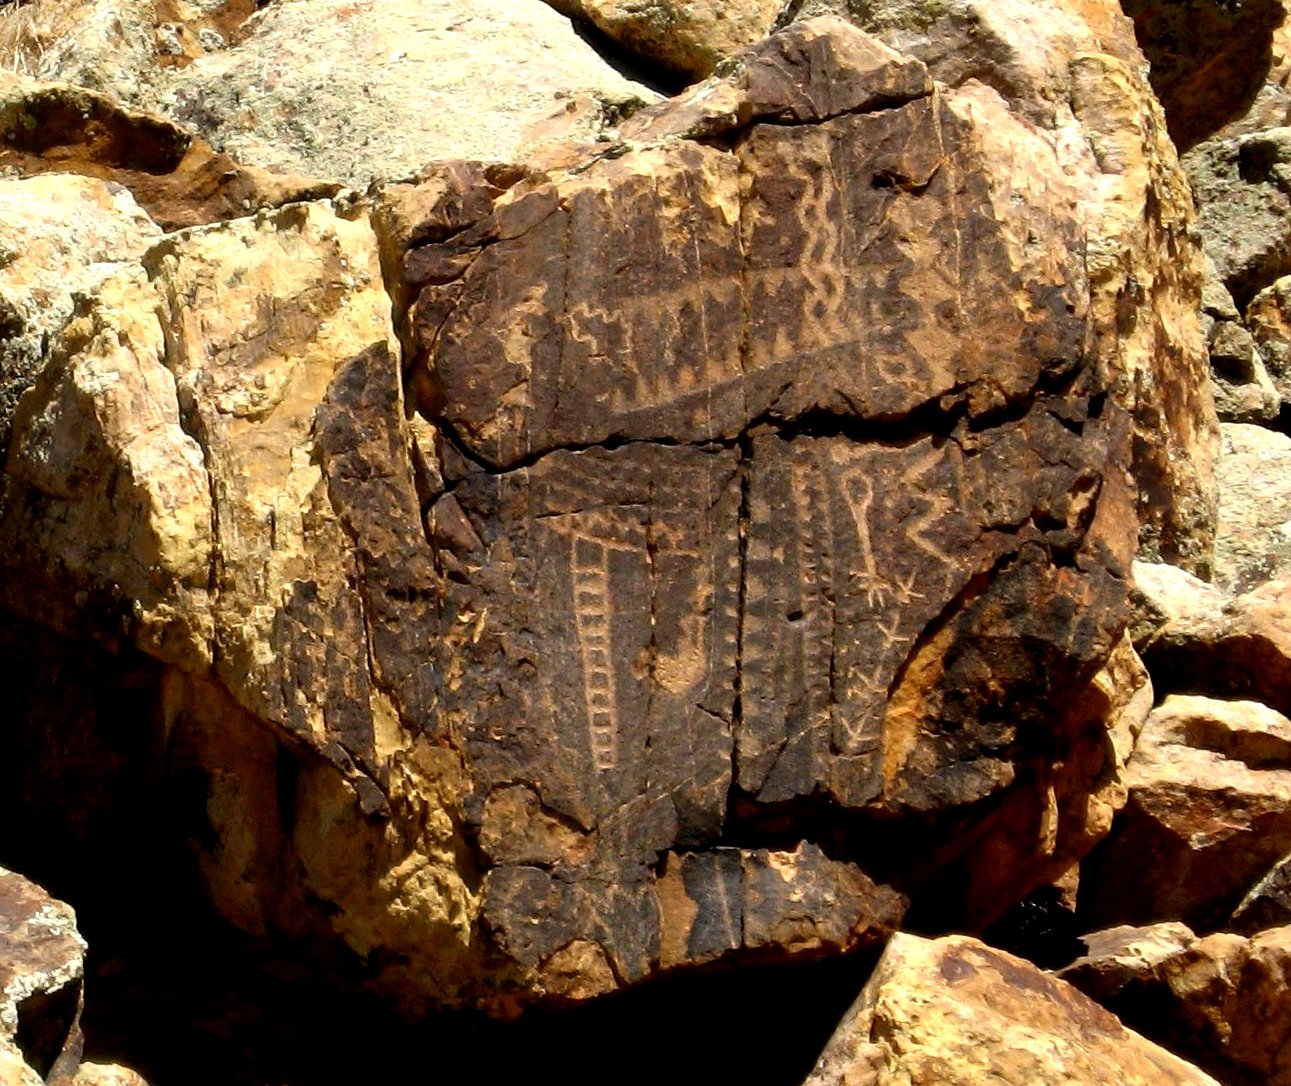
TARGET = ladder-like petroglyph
(593,619)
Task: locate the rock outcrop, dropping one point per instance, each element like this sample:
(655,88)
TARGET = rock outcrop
(742,490)
(635,536)
(344,90)
(1221,1000)
(1208,814)
(953,1011)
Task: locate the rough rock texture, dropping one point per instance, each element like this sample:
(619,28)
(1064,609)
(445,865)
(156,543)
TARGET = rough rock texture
(1239,650)
(1072,69)
(42,960)
(1208,814)
(1118,960)
(954,1012)
(1171,601)
(1253,544)
(685,36)
(59,236)
(347,90)
(1269,319)
(1244,390)
(1209,58)
(850,603)
(178,179)
(1222,1001)
(1239,177)
(783,472)
(1243,194)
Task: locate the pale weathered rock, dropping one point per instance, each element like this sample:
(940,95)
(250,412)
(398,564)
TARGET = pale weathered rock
(684,36)
(1222,1001)
(59,236)
(178,179)
(767,486)
(42,961)
(1253,544)
(1242,650)
(336,89)
(104,45)
(954,1012)
(1269,319)
(1172,602)
(1209,811)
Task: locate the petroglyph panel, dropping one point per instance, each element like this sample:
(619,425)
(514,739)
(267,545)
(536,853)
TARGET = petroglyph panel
(616,314)
(860,557)
(598,621)
(864,266)
(852,550)
(889,263)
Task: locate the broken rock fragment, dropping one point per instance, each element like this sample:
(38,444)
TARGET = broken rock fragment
(1221,1001)
(1209,783)
(953,1011)
(42,959)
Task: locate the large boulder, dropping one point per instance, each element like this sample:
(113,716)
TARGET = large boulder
(955,1012)
(747,558)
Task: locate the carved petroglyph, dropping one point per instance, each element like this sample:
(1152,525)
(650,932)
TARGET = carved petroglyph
(854,548)
(591,539)
(593,619)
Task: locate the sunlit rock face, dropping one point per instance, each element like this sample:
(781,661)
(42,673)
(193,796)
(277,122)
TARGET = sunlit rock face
(698,544)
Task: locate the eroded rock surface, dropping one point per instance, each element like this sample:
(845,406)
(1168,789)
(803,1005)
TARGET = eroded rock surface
(679,35)
(953,1011)
(1209,784)
(42,961)
(1253,544)
(59,236)
(177,178)
(755,563)
(1221,1000)
(341,90)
